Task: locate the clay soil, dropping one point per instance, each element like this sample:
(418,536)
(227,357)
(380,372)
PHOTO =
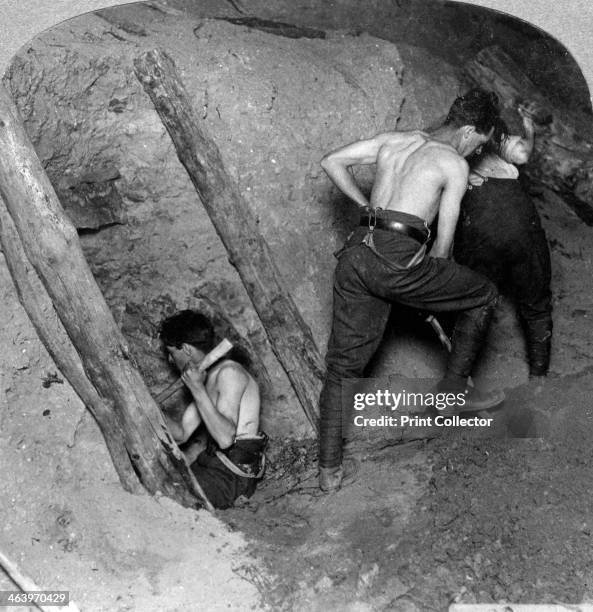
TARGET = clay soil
(461,518)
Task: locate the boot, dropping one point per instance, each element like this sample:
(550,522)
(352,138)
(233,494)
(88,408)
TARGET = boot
(333,478)
(539,345)
(539,357)
(474,399)
(330,479)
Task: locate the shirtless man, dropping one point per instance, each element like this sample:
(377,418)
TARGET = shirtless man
(384,260)
(226,401)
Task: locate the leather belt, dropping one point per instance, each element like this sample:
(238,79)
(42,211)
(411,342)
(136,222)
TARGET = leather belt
(416,234)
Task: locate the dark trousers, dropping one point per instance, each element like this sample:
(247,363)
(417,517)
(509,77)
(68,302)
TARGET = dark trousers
(500,236)
(365,286)
(222,486)
(526,279)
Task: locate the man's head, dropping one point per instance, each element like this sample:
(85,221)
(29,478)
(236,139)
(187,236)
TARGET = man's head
(512,148)
(187,335)
(473,116)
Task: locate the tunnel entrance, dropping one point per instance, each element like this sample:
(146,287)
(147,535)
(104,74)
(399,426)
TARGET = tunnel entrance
(277,87)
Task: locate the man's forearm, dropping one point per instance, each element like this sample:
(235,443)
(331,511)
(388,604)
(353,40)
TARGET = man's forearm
(441,249)
(529,138)
(443,244)
(344,181)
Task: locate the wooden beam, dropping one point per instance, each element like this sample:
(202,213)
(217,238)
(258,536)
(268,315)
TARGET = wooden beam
(290,337)
(51,245)
(37,304)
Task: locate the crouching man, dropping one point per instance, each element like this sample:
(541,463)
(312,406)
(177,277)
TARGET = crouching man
(226,401)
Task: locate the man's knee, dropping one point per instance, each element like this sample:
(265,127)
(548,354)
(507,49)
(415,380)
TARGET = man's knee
(342,364)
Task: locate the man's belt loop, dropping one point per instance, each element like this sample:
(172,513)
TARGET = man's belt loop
(427,232)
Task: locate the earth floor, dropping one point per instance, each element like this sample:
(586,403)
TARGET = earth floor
(466,516)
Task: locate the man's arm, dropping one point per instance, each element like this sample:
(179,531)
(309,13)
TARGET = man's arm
(456,171)
(220,420)
(528,130)
(337,163)
(190,420)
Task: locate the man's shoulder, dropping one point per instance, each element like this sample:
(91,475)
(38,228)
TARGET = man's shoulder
(396,143)
(400,136)
(449,159)
(231,372)
(407,133)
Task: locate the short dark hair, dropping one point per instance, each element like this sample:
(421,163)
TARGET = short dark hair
(477,107)
(189,327)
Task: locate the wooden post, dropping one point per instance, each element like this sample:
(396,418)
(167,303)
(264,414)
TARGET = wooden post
(38,306)
(51,245)
(289,335)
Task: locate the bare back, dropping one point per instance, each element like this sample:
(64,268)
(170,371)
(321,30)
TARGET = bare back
(246,414)
(412,172)
(416,174)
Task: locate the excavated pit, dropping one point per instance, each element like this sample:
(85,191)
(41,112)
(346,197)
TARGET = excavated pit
(277,87)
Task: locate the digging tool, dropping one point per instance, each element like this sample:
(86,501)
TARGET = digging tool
(440,332)
(220,350)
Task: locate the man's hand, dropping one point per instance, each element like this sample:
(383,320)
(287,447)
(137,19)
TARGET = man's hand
(193,376)
(337,163)
(475,179)
(527,112)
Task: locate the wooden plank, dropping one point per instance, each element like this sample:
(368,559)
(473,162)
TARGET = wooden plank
(290,337)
